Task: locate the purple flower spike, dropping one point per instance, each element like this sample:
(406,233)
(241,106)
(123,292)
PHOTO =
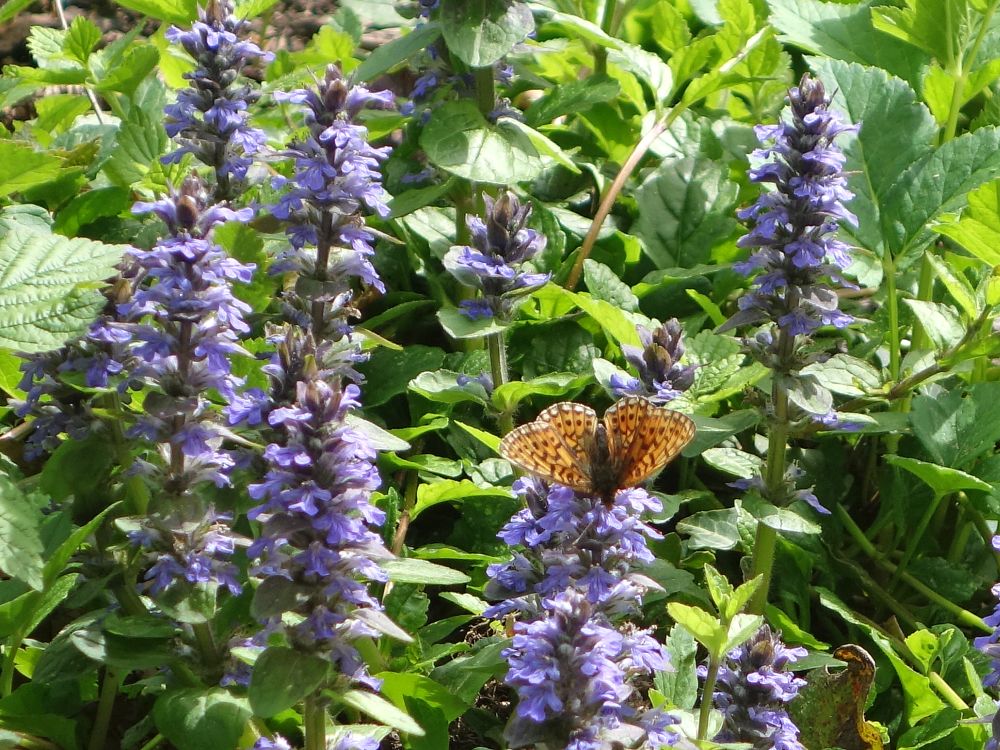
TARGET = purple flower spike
(753,689)
(210,118)
(336,180)
(661,376)
(795,258)
(500,245)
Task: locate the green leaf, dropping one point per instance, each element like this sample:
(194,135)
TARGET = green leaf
(942,322)
(480,32)
(603,283)
(20,544)
(388,372)
(876,156)
(282,677)
(615,322)
(11,8)
(958,427)
(387,56)
(179,12)
(542,143)
(441,386)
(740,629)
(125,77)
(377,438)
(685,209)
(89,207)
(507,396)
(412,570)
(81,39)
(719,587)
(939,726)
(978,231)
(398,687)
(844,32)
(957,285)
(381,710)
(48,288)
(711,529)
(140,141)
(784,520)
(941,479)
(938,183)
(464,676)
(24,167)
(733,461)
(647,66)
(846,375)
(680,685)
(448,490)
(460,326)
(705,628)
(938,28)
(459,140)
(199,719)
(571,98)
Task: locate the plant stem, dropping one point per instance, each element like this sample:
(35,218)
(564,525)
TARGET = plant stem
(314,723)
(705,710)
(963,616)
(916,537)
(766,539)
(153,742)
(206,644)
(10,650)
(892,305)
(105,707)
(486,95)
(318,307)
(607,22)
(498,368)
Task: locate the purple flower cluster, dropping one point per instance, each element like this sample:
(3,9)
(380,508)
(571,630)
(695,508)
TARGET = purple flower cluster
(571,666)
(661,376)
(753,689)
(210,117)
(796,258)
(569,541)
(990,645)
(349,741)
(500,246)
(182,329)
(317,551)
(572,670)
(336,176)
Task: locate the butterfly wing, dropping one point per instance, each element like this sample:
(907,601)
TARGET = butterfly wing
(643,438)
(556,446)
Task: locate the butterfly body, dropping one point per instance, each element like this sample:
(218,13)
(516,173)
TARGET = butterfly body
(569,445)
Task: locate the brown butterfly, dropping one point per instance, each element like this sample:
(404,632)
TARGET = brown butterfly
(567,444)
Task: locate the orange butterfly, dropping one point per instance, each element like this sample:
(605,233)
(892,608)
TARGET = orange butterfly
(567,444)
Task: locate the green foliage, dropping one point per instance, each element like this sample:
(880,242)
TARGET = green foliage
(643,111)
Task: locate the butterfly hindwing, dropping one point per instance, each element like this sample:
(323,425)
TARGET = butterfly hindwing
(538,448)
(644,438)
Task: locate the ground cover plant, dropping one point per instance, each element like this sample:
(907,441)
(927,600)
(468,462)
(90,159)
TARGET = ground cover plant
(445,374)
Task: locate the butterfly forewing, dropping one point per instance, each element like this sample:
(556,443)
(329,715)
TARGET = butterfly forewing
(644,438)
(554,447)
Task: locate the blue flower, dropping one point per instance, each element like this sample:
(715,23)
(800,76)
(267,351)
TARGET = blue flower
(336,179)
(753,689)
(661,376)
(210,118)
(317,540)
(573,672)
(501,244)
(796,260)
